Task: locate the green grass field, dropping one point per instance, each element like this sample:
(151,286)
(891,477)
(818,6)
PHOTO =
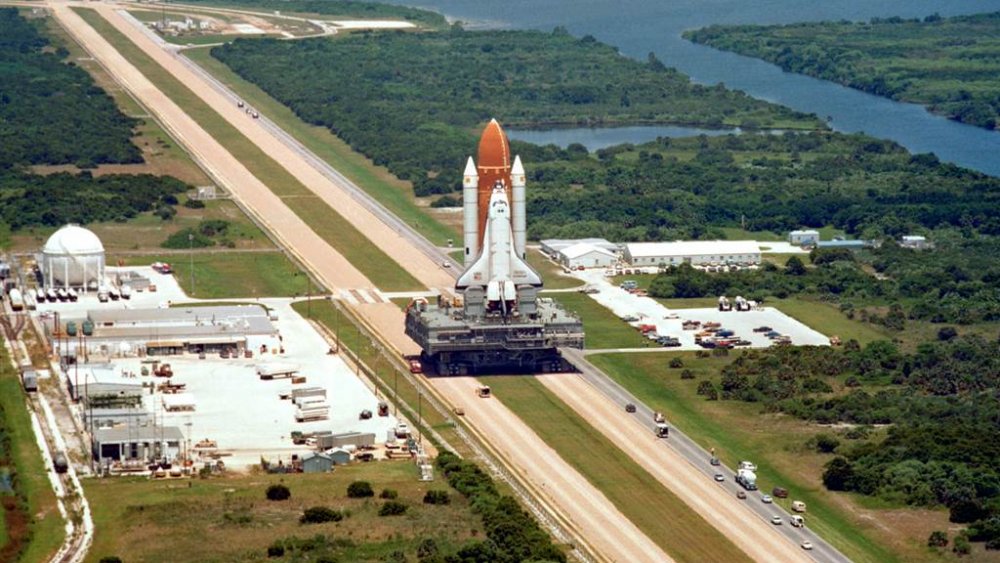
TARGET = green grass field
(552,274)
(393,193)
(603,328)
(827,319)
(655,510)
(326,222)
(225,275)
(740,431)
(45,525)
(229,519)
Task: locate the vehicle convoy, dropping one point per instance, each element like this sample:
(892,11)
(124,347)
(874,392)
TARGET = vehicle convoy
(500,324)
(746,475)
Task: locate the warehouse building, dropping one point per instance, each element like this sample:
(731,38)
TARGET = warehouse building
(137,332)
(586,255)
(139,444)
(696,253)
(803,238)
(554,246)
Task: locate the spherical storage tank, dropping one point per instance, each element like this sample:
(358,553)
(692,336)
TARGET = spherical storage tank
(73,257)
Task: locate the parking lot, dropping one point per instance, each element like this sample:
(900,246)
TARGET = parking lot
(649,311)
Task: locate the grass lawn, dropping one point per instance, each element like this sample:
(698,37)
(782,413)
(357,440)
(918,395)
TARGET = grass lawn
(233,274)
(740,431)
(827,319)
(391,192)
(603,328)
(552,274)
(656,511)
(229,519)
(44,524)
(326,222)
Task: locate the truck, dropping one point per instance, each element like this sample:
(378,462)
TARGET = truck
(724,304)
(307,394)
(276,370)
(797,521)
(746,475)
(16,299)
(741,303)
(662,431)
(483,391)
(312,411)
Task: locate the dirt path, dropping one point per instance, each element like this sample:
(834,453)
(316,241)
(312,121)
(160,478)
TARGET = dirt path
(393,243)
(754,536)
(607,529)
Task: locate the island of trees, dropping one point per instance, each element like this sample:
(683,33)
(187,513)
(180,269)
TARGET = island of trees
(949,65)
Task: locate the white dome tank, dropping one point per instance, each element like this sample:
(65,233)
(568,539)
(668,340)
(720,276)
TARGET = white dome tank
(73,257)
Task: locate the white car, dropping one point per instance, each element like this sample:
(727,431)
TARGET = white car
(807,545)
(720,477)
(777,520)
(446,264)
(766,499)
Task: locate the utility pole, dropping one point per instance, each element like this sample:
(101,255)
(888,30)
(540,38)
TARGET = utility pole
(191,254)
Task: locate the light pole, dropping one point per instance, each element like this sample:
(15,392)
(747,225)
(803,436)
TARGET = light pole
(191,255)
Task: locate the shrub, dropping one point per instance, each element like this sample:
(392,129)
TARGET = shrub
(278,492)
(392,508)
(388,494)
(320,514)
(436,497)
(276,550)
(961,546)
(111,559)
(937,539)
(947,333)
(705,387)
(360,489)
(194,204)
(688,374)
(826,443)
(427,548)
(676,363)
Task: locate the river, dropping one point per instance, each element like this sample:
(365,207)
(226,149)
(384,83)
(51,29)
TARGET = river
(637,27)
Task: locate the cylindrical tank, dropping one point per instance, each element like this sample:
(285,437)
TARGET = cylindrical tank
(88,328)
(71,328)
(73,256)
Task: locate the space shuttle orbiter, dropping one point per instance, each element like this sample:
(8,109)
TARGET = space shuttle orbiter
(494,221)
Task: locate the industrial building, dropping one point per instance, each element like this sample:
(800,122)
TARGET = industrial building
(554,246)
(316,462)
(165,331)
(803,238)
(586,255)
(73,257)
(137,444)
(696,253)
(916,242)
(848,244)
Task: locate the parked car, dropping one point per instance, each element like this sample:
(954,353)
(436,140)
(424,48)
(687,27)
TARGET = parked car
(779,492)
(763,329)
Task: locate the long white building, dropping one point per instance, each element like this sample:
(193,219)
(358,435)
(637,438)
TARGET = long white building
(697,252)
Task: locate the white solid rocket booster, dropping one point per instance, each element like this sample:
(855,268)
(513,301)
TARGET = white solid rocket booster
(470,212)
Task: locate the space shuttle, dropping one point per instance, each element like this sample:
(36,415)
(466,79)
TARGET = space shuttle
(493,209)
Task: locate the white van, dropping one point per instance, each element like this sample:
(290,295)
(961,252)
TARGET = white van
(798,506)
(797,521)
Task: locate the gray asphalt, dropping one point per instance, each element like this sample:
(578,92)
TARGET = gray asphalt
(699,458)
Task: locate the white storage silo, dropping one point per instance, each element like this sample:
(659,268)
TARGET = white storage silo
(73,257)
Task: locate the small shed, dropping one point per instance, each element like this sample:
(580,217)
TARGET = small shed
(803,237)
(316,463)
(340,456)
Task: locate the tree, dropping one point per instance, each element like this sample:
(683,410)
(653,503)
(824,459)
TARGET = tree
(937,539)
(360,489)
(961,546)
(965,511)
(838,474)
(278,492)
(826,443)
(795,267)
(392,508)
(705,387)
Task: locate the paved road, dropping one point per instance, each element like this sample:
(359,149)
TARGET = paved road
(699,459)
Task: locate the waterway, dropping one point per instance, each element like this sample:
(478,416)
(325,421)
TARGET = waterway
(638,27)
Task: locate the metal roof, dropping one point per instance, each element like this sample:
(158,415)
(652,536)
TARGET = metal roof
(177,315)
(582,249)
(139,434)
(692,248)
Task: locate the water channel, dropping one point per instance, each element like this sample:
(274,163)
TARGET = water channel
(637,27)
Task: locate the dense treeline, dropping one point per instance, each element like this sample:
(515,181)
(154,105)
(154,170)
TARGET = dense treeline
(347,9)
(942,403)
(947,64)
(413,101)
(52,112)
(28,200)
(512,535)
(959,282)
